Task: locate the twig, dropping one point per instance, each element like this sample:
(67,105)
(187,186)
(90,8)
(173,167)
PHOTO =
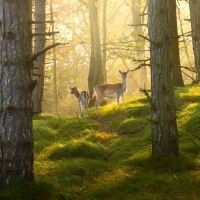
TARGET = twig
(190,77)
(149,39)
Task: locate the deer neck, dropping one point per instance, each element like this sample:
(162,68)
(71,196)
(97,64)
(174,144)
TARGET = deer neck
(123,84)
(77,94)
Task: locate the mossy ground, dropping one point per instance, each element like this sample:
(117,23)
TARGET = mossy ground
(108,157)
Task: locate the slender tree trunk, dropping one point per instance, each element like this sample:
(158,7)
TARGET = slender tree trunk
(164,126)
(96,70)
(16,138)
(195,25)
(104,40)
(136,17)
(184,39)
(39,63)
(176,72)
(54,63)
(92,65)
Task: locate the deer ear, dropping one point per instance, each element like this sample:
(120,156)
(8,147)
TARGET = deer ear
(120,71)
(128,71)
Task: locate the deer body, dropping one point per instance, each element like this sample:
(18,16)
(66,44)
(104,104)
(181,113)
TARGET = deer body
(83,99)
(110,91)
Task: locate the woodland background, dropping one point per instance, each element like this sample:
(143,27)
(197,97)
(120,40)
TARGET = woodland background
(72,60)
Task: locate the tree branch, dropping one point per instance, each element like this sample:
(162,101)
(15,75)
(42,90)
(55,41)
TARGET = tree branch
(42,22)
(148,39)
(43,50)
(85,3)
(45,33)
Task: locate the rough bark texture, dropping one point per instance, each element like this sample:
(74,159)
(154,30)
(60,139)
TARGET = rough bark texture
(164,127)
(16,138)
(176,72)
(39,63)
(195,24)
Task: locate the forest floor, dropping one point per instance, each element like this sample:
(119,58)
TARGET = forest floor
(108,157)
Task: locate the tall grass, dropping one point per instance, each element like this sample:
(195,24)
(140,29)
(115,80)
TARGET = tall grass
(108,157)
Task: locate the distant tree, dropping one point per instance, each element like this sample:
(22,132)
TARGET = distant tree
(104,40)
(16,85)
(39,43)
(96,69)
(163,114)
(175,57)
(140,44)
(195,26)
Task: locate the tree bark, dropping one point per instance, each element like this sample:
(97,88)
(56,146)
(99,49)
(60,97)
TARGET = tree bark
(164,126)
(96,69)
(175,57)
(195,26)
(16,138)
(39,43)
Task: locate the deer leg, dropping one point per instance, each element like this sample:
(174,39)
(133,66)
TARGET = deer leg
(97,103)
(85,111)
(122,97)
(117,98)
(80,107)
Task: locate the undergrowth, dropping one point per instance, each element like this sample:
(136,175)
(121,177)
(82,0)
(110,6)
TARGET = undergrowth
(108,157)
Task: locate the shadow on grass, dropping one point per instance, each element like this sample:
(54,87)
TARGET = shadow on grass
(154,177)
(36,190)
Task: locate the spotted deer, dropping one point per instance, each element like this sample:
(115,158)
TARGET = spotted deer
(83,99)
(110,91)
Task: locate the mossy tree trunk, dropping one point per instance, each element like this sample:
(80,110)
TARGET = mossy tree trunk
(195,25)
(175,57)
(96,68)
(39,43)
(16,138)
(164,126)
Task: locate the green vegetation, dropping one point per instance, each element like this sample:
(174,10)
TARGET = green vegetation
(109,157)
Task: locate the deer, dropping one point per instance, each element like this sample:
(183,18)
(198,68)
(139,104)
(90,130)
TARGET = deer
(110,91)
(83,99)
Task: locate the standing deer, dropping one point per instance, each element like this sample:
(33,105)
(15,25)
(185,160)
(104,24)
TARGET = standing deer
(83,99)
(110,91)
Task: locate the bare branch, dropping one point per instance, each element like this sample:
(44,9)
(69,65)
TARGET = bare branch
(149,39)
(43,50)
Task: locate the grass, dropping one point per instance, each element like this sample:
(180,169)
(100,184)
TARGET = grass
(108,157)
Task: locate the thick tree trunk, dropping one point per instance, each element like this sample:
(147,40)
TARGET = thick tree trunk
(164,127)
(39,63)
(176,72)
(195,24)
(16,138)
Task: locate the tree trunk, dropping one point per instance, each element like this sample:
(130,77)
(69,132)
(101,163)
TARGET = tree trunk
(96,70)
(54,62)
(39,63)
(164,126)
(176,72)
(104,40)
(195,25)
(137,20)
(16,139)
